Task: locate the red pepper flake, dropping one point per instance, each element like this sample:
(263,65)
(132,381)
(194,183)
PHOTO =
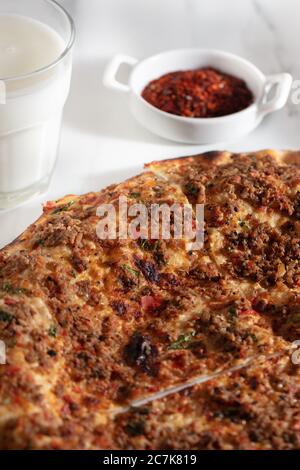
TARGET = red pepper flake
(68,399)
(201,93)
(17,400)
(12,370)
(296,425)
(248,312)
(150,303)
(49,205)
(65,410)
(10,301)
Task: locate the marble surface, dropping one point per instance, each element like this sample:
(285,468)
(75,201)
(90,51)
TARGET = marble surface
(101,143)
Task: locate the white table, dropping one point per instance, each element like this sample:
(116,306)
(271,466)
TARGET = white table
(101,142)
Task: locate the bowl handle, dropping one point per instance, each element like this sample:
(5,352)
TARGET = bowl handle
(282,83)
(111,70)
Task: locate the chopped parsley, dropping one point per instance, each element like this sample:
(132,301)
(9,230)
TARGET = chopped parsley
(149,245)
(232,313)
(253,337)
(63,208)
(135,195)
(5,316)
(9,289)
(183,341)
(145,244)
(135,428)
(153,246)
(52,331)
(191,189)
(243,224)
(128,268)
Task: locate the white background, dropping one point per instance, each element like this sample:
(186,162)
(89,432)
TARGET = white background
(101,143)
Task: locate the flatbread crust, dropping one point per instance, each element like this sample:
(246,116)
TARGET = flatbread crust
(255,408)
(92,326)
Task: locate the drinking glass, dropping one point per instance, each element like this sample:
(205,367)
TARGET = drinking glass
(31,107)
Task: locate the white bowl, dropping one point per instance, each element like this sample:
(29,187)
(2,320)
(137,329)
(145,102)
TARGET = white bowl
(199,130)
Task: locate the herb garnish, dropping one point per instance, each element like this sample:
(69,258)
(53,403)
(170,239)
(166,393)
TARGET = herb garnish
(145,244)
(253,337)
(135,195)
(5,316)
(9,289)
(130,270)
(183,341)
(52,331)
(232,313)
(135,428)
(63,208)
(153,247)
(149,245)
(191,189)
(243,224)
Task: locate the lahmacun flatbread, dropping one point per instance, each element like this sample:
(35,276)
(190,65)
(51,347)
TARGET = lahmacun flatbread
(92,326)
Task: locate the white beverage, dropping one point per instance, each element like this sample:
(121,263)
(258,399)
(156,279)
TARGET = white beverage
(26,45)
(30,115)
